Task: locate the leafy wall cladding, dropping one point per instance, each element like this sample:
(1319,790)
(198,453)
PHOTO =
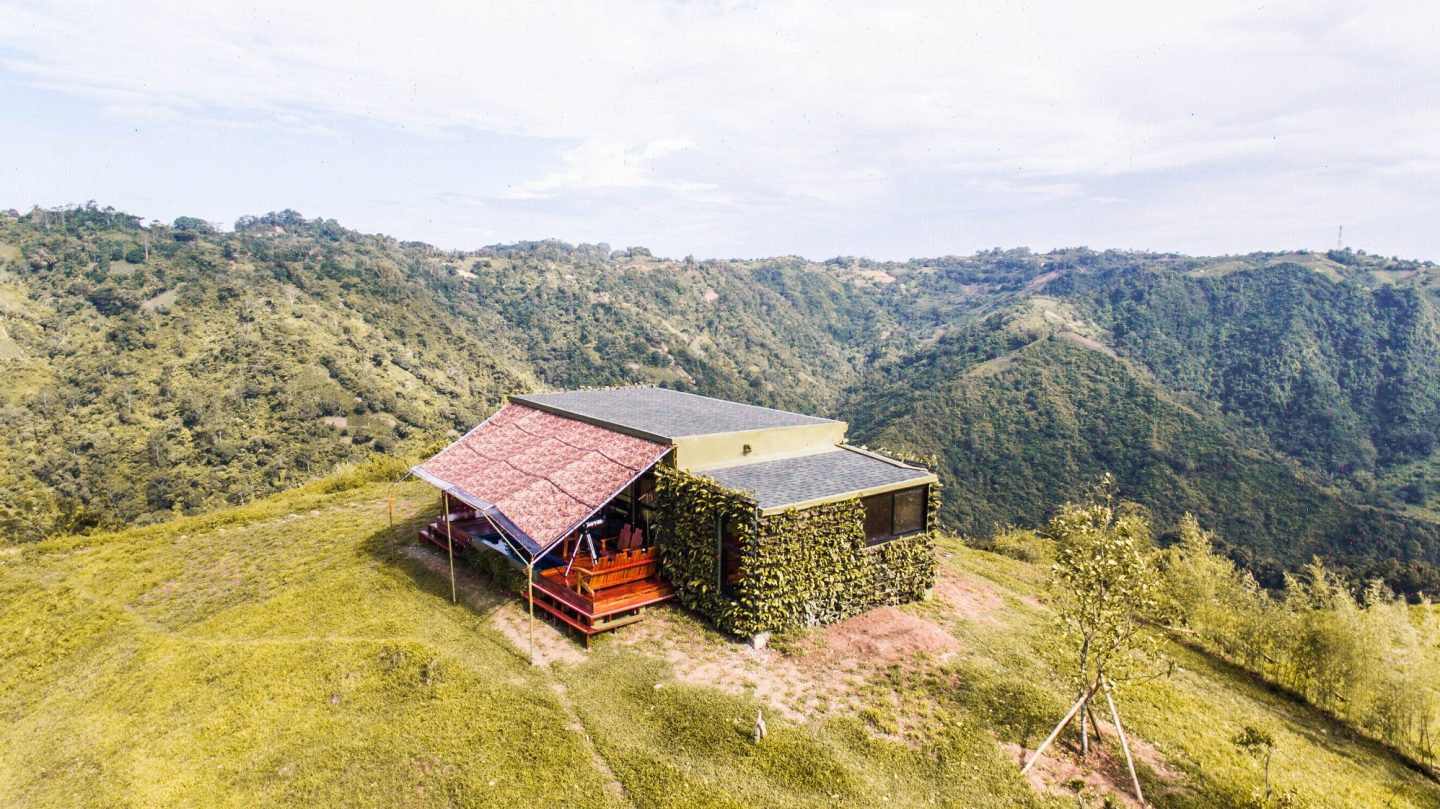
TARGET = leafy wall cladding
(799,568)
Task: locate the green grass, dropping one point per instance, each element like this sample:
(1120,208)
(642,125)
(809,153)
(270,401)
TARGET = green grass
(1189,714)
(296,652)
(679,745)
(292,659)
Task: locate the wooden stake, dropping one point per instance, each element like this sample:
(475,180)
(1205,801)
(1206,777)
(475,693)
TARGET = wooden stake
(1099,738)
(1056,732)
(450,547)
(1124,745)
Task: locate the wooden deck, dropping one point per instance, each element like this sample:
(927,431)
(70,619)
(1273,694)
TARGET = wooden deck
(611,607)
(588,597)
(465,530)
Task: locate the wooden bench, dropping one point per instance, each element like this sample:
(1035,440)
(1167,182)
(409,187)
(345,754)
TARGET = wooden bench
(618,568)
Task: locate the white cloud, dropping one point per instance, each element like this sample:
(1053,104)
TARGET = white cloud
(819,113)
(603,165)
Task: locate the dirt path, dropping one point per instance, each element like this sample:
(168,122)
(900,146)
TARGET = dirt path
(509,618)
(597,759)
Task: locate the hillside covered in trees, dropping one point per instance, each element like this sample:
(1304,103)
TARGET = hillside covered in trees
(1291,400)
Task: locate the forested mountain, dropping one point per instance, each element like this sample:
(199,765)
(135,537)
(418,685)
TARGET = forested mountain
(1293,400)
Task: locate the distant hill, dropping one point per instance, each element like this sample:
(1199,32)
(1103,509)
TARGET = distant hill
(1020,419)
(177,369)
(1291,399)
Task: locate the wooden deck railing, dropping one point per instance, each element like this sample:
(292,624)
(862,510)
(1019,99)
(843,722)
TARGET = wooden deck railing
(615,569)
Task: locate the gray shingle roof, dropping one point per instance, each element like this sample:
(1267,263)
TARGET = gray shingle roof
(665,413)
(824,475)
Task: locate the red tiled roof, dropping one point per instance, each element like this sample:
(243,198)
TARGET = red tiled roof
(545,473)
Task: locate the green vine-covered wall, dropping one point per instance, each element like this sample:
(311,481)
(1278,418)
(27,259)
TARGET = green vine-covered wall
(687,515)
(799,567)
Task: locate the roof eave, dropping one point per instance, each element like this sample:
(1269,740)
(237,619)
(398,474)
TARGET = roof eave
(493,511)
(928,479)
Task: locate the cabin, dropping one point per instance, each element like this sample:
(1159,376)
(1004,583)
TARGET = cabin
(595,505)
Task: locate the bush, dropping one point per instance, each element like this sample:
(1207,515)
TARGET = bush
(377,469)
(1023,544)
(135,256)
(496,568)
(109,299)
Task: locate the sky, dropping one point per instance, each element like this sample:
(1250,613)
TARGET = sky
(730,130)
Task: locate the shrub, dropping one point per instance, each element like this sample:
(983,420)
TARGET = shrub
(1023,544)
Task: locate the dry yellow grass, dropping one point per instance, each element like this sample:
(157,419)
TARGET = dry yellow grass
(295,652)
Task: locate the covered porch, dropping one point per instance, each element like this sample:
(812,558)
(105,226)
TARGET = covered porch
(568,586)
(565,503)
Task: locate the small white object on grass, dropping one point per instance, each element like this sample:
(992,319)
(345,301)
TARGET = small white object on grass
(760,731)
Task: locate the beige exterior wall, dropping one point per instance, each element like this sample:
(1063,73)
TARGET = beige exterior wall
(697,453)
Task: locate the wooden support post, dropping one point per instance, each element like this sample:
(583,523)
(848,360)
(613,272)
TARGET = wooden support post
(1080,703)
(450,548)
(1124,745)
(530,596)
(390,507)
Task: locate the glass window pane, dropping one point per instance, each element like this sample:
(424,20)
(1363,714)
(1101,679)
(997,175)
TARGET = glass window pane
(879,511)
(910,510)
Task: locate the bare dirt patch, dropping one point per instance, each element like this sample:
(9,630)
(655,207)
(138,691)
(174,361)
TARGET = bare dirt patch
(887,635)
(1060,771)
(970,599)
(1038,282)
(797,686)
(819,673)
(551,645)
(1093,345)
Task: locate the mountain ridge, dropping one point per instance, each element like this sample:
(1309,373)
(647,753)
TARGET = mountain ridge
(177,368)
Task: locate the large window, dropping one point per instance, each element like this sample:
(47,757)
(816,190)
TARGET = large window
(894,514)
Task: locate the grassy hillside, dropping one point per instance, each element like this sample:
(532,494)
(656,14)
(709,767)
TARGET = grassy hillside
(296,652)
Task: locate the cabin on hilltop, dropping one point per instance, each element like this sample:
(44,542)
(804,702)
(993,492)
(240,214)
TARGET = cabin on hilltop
(600,503)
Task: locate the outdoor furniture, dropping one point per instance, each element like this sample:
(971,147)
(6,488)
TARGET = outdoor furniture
(619,568)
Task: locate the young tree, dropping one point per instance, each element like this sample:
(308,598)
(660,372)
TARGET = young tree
(1260,744)
(1106,586)
(1105,589)
(1195,577)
